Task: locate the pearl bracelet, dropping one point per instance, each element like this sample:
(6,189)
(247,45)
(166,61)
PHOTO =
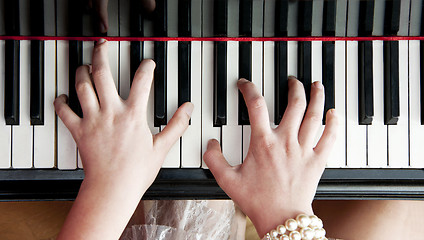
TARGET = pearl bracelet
(303,228)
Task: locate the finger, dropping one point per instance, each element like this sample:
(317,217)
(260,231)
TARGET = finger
(313,116)
(142,83)
(102,76)
(65,113)
(86,94)
(175,128)
(256,106)
(329,135)
(101,9)
(296,104)
(221,170)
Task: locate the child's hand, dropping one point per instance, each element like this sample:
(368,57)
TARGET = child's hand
(121,158)
(280,174)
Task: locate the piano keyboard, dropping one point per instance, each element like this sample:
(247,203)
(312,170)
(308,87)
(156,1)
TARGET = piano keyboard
(375,86)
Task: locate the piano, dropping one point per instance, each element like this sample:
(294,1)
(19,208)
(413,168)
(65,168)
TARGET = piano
(365,53)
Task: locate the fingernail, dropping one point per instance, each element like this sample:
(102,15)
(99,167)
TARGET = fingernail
(318,85)
(242,81)
(292,77)
(189,109)
(101,40)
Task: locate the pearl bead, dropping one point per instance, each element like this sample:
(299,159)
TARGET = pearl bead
(291,225)
(274,234)
(307,233)
(284,237)
(295,235)
(281,229)
(320,224)
(319,232)
(303,220)
(314,221)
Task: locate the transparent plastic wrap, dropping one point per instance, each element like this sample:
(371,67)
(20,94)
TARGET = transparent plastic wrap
(188,220)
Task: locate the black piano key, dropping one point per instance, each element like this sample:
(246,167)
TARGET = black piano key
(137,21)
(184,18)
(281,16)
(75,60)
(245,71)
(161,18)
(37,83)
(37,17)
(11,17)
(160,109)
(281,83)
(11,86)
(422,80)
(304,18)
(305,66)
(329,20)
(184,69)
(328,57)
(392,17)
(391,82)
(220,84)
(136,49)
(136,30)
(365,84)
(75,13)
(37,64)
(245,15)
(366,18)
(220,11)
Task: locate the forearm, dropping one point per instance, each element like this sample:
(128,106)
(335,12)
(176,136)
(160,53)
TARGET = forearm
(100,211)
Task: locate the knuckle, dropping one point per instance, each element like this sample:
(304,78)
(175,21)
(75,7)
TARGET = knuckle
(314,117)
(298,102)
(257,102)
(100,73)
(82,86)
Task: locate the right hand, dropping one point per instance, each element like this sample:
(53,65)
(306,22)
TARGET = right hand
(280,174)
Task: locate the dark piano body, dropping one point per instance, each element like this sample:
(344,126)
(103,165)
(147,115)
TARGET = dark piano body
(199,183)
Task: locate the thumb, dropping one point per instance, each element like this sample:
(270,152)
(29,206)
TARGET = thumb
(175,128)
(223,172)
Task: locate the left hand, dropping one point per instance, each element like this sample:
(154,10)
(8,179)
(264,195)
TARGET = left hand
(113,137)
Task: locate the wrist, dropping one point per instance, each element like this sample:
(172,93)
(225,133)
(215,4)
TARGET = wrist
(265,221)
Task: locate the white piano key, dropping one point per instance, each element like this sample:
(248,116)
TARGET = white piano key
(232,132)
(269,18)
(22,134)
(173,157)
(87,58)
(5,130)
(87,52)
(377,132)
(316,75)
(292,58)
(148,54)
(416,130)
(337,157)
(269,79)
(257,56)
(114,61)
(208,130)
(113,18)
(44,136)
(124,69)
(190,144)
(398,134)
(172,18)
(356,134)
(66,146)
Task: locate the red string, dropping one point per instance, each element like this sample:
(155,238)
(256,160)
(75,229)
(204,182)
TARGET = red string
(219,39)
